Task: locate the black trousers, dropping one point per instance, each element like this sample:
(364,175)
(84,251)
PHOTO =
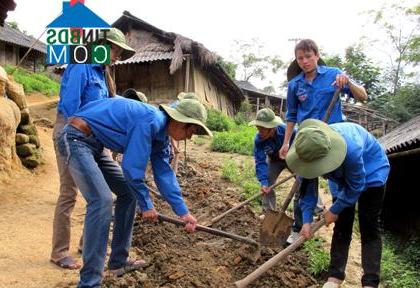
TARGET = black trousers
(370,204)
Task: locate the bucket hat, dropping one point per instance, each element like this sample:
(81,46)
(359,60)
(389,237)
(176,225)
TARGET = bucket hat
(293,70)
(266,118)
(116,37)
(187,95)
(131,93)
(189,111)
(317,150)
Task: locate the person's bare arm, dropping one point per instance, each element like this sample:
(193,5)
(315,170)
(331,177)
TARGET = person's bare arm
(287,135)
(358,91)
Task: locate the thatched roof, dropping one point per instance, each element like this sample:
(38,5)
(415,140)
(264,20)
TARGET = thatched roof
(248,87)
(162,45)
(404,137)
(13,36)
(5,6)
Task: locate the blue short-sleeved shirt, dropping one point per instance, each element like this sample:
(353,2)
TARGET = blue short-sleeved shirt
(80,84)
(311,100)
(269,147)
(365,165)
(139,131)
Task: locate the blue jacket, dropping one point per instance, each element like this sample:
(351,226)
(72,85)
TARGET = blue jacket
(80,84)
(270,148)
(311,100)
(139,131)
(364,166)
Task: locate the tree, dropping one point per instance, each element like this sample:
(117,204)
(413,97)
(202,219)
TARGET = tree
(253,63)
(401,27)
(229,67)
(13,25)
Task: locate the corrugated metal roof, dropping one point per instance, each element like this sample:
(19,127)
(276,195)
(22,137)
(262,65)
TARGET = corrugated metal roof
(16,37)
(147,56)
(404,136)
(245,85)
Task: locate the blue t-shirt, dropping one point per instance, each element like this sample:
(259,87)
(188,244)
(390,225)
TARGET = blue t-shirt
(139,131)
(80,84)
(365,165)
(311,100)
(269,147)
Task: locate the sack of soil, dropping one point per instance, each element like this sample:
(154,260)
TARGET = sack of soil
(15,92)
(28,129)
(26,150)
(25,119)
(22,139)
(32,161)
(33,139)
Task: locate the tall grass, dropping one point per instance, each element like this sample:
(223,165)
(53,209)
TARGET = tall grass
(318,258)
(32,82)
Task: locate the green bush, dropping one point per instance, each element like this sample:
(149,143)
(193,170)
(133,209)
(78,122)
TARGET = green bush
(244,116)
(218,121)
(32,82)
(318,258)
(239,140)
(400,265)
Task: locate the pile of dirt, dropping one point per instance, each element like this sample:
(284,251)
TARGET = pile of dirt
(178,259)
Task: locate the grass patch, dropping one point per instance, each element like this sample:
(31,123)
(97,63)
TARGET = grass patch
(244,177)
(239,140)
(400,265)
(318,258)
(34,82)
(199,140)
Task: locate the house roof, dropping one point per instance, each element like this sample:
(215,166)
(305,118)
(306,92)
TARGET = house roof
(5,6)
(77,15)
(174,47)
(404,137)
(13,36)
(248,87)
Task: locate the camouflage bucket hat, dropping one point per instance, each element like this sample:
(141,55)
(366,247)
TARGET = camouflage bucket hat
(116,37)
(266,118)
(187,95)
(130,93)
(189,111)
(317,150)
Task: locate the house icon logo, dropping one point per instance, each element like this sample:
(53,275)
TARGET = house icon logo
(76,36)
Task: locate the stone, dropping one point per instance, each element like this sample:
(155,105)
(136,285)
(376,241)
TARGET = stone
(21,139)
(25,150)
(32,161)
(34,140)
(29,129)
(25,118)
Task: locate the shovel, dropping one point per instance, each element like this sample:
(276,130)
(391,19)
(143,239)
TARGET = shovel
(276,226)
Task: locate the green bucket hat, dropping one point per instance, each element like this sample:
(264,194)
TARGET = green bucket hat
(187,95)
(116,37)
(317,150)
(267,119)
(130,93)
(189,111)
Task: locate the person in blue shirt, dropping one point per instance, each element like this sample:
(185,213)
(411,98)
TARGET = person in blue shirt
(268,165)
(141,133)
(354,161)
(80,84)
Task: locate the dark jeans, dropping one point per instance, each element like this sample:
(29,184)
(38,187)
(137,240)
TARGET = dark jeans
(370,204)
(305,184)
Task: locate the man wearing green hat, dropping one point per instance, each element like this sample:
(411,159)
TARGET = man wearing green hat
(268,165)
(80,84)
(355,162)
(141,132)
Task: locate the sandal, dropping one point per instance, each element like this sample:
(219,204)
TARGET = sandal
(67,263)
(131,265)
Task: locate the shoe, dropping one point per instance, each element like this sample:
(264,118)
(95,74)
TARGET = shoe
(331,285)
(292,237)
(131,265)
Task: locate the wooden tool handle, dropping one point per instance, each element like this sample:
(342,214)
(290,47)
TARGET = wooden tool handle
(213,231)
(273,261)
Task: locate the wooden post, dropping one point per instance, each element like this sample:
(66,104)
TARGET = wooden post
(258,105)
(383,127)
(267,102)
(281,107)
(187,74)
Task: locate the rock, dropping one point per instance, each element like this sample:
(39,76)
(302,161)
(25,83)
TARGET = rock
(29,129)
(32,161)
(34,140)
(25,150)
(16,93)
(21,139)
(8,124)
(25,119)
